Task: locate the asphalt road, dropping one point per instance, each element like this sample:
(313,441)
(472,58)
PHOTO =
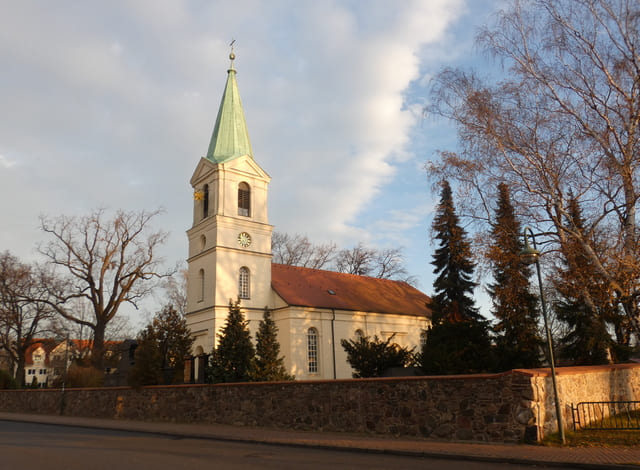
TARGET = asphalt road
(37,446)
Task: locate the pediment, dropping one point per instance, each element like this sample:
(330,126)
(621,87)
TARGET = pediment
(246,166)
(202,171)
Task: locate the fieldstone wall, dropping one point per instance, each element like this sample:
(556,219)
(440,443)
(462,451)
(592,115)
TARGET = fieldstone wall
(509,407)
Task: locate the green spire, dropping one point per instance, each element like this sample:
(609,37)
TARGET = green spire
(230,137)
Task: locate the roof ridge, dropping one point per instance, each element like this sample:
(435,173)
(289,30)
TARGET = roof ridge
(340,273)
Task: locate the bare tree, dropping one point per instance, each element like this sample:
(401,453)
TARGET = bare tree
(357,260)
(298,250)
(563,123)
(22,319)
(175,291)
(390,264)
(105,262)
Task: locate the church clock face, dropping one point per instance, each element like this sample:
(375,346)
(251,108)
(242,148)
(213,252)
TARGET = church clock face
(244,239)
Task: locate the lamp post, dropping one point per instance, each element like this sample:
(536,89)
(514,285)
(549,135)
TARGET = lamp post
(530,255)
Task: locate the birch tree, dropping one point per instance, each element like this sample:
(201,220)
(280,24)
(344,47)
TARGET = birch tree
(561,123)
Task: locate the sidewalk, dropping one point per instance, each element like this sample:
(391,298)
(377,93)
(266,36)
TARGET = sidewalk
(583,457)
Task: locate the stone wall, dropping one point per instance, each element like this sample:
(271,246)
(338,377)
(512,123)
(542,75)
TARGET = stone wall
(618,382)
(499,407)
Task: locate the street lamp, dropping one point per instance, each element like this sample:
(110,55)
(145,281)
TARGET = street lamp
(530,255)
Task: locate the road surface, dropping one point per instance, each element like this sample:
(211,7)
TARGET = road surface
(41,446)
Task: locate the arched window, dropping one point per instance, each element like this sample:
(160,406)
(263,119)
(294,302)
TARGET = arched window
(423,338)
(243,283)
(205,202)
(244,200)
(358,335)
(312,350)
(201,285)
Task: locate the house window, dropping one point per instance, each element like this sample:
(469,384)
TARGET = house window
(312,350)
(423,339)
(201,283)
(244,200)
(243,283)
(205,202)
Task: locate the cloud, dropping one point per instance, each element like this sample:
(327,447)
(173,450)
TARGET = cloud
(113,104)
(6,163)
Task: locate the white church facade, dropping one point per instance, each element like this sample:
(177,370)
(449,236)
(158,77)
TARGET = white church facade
(230,257)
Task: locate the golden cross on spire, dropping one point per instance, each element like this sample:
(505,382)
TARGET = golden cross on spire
(232,54)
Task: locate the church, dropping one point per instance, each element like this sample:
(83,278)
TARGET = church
(230,258)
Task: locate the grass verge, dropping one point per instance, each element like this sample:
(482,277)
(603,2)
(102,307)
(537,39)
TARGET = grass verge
(591,438)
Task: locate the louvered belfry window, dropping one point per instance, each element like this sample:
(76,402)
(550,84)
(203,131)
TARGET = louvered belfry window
(244,200)
(205,202)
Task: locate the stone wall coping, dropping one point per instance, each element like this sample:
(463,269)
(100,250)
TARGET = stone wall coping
(573,370)
(541,372)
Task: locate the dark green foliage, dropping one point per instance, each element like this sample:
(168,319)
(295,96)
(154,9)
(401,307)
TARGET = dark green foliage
(588,341)
(458,341)
(514,306)
(586,303)
(371,358)
(457,348)
(147,369)
(454,267)
(232,360)
(268,366)
(162,347)
(6,380)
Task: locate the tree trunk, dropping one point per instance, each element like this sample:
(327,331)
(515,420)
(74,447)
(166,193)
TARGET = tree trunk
(20,372)
(97,351)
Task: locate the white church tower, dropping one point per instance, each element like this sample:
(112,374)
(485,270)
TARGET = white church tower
(230,240)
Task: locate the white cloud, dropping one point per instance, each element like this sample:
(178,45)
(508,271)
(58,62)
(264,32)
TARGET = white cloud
(113,104)
(6,163)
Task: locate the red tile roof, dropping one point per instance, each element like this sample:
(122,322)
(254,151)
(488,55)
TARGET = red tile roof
(305,287)
(47,344)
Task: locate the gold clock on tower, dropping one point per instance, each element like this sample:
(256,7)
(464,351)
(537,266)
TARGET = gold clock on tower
(244,239)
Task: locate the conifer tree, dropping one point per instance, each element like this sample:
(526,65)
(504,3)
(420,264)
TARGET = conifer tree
(458,340)
(518,344)
(162,347)
(232,360)
(147,369)
(268,366)
(584,304)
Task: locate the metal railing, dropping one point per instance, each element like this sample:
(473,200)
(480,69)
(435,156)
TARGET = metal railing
(606,415)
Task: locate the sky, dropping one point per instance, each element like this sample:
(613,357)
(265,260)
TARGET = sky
(112,104)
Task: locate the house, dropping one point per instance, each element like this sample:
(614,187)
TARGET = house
(38,364)
(230,257)
(47,360)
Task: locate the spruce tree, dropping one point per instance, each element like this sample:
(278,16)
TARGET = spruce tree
(518,344)
(268,366)
(162,347)
(232,360)
(585,302)
(147,369)
(458,340)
